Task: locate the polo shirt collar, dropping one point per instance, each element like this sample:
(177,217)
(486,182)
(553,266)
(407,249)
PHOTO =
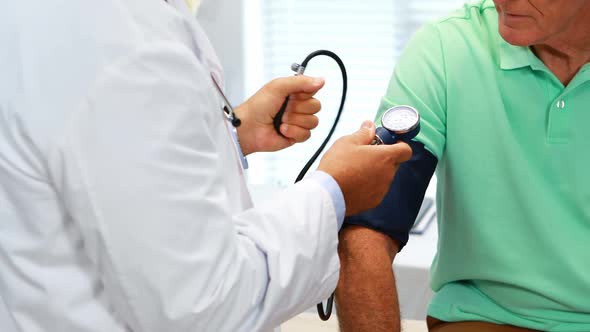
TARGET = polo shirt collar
(513,57)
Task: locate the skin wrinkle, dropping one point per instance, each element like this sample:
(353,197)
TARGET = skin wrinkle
(556,31)
(537,9)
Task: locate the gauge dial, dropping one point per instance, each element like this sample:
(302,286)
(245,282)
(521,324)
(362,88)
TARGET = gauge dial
(400,119)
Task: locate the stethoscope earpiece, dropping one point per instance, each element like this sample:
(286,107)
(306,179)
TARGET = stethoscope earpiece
(235,121)
(227,109)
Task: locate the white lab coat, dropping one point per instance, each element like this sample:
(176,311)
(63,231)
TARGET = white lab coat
(123,206)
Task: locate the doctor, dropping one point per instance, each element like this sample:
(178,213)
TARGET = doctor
(122,201)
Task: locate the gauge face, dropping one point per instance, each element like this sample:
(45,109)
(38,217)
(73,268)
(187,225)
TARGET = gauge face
(400,119)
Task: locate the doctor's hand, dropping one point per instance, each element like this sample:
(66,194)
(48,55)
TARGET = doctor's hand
(257,133)
(364,172)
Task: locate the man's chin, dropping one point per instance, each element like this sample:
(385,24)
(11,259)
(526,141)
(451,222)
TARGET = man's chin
(515,37)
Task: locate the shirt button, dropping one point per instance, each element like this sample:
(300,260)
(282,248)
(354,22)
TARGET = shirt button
(561,104)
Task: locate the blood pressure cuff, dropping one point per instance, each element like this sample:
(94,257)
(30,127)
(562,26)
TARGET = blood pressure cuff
(396,214)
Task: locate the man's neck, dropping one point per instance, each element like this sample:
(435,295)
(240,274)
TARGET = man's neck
(565,53)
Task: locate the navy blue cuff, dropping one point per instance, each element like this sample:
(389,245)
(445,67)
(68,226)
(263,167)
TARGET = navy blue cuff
(396,214)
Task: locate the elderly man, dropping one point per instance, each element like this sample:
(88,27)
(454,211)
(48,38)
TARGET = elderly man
(503,90)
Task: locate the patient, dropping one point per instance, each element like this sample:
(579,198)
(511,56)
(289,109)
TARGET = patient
(503,90)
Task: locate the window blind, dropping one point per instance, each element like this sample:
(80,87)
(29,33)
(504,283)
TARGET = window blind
(368,35)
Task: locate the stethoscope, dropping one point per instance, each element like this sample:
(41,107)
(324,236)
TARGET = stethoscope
(228,110)
(398,123)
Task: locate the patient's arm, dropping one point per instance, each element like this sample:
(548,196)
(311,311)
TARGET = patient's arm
(366,296)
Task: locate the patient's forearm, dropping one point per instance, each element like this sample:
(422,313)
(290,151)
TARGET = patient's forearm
(366,296)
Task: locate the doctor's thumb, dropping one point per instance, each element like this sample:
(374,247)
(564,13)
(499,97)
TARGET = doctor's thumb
(365,134)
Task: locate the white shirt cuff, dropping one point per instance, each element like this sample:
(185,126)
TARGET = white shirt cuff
(332,187)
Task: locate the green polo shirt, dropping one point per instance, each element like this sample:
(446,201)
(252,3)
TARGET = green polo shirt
(513,196)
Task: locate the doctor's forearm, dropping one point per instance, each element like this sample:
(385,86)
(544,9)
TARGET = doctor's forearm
(366,295)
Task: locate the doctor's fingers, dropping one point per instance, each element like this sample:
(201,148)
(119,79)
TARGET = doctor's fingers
(393,154)
(305,121)
(310,106)
(296,133)
(293,85)
(302,96)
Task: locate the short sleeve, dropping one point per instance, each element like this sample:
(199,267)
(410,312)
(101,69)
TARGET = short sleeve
(419,80)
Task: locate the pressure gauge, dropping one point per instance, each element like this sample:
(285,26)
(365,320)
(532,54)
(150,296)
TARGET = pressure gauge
(400,123)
